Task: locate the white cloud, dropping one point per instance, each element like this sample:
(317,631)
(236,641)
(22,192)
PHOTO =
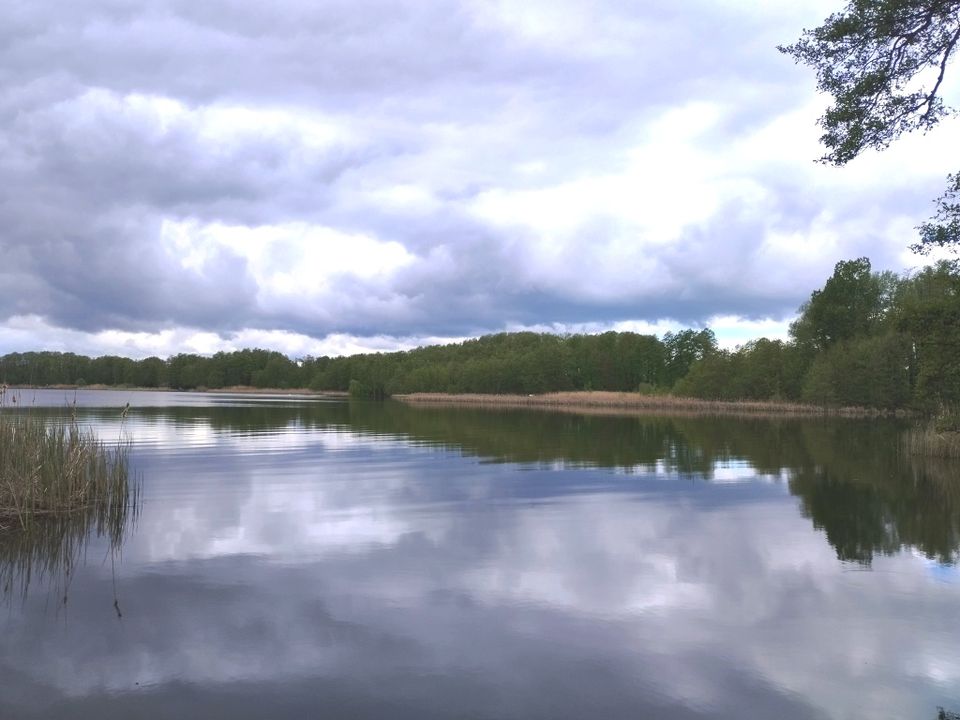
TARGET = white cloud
(537,164)
(292,263)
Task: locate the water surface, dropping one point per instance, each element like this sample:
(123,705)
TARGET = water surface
(299,558)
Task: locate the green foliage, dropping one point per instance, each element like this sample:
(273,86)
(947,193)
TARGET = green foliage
(710,378)
(361,391)
(884,62)
(848,331)
(929,314)
(257,368)
(944,229)
(516,363)
(683,349)
(760,370)
(866,371)
(864,339)
(868,58)
(853,302)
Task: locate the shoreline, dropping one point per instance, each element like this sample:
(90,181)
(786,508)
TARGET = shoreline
(585,402)
(625,403)
(232,390)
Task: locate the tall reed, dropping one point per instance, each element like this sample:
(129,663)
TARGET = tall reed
(59,484)
(55,467)
(925,441)
(939,438)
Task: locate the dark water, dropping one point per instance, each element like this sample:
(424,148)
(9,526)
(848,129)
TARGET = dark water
(303,559)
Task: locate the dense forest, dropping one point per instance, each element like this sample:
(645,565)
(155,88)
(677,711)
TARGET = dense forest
(864,338)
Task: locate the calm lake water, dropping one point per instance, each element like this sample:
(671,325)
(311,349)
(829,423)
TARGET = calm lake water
(296,558)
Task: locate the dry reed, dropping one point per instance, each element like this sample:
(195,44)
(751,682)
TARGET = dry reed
(939,438)
(56,467)
(624,402)
(933,443)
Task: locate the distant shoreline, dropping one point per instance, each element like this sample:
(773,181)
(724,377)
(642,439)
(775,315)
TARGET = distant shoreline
(584,402)
(233,390)
(624,403)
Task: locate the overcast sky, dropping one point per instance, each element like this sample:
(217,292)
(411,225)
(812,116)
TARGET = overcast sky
(329,176)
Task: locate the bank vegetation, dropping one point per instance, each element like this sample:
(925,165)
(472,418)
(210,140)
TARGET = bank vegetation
(634,403)
(51,468)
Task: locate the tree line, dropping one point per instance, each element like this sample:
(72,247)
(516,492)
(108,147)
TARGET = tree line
(523,362)
(254,368)
(864,338)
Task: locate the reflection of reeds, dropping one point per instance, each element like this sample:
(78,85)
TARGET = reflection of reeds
(58,485)
(940,437)
(49,550)
(931,442)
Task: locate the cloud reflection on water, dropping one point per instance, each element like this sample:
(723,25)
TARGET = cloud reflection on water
(360,574)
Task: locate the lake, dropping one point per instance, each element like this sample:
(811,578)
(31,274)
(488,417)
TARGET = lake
(304,558)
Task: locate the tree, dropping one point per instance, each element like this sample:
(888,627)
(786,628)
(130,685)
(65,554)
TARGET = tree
(712,377)
(884,62)
(929,313)
(864,371)
(684,348)
(853,302)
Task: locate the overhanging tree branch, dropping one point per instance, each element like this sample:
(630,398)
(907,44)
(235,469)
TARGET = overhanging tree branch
(870,58)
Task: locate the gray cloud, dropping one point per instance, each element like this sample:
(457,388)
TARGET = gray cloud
(119,119)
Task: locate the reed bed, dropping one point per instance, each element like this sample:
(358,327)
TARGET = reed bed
(59,485)
(55,468)
(933,442)
(929,442)
(939,438)
(625,403)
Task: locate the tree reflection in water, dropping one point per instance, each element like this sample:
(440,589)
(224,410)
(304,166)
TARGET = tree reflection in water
(852,478)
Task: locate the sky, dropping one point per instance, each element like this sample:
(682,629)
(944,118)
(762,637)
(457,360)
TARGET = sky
(361,175)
